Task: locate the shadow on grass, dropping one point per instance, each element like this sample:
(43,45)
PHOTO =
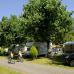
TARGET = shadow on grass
(56,60)
(59,60)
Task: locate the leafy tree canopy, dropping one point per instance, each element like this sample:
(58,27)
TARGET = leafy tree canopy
(47,20)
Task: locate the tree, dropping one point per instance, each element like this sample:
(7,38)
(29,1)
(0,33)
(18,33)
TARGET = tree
(70,35)
(17,29)
(48,20)
(11,31)
(4,29)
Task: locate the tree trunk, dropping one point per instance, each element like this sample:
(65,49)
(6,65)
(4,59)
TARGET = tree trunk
(48,46)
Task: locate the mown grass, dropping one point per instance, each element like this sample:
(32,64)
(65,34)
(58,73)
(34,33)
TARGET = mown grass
(46,61)
(49,62)
(6,70)
(2,57)
(42,61)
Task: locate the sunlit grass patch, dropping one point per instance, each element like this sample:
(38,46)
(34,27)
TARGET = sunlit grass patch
(49,62)
(3,57)
(40,61)
(6,70)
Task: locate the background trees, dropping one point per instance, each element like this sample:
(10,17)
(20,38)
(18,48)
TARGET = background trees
(11,31)
(42,20)
(4,30)
(16,29)
(70,35)
(48,20)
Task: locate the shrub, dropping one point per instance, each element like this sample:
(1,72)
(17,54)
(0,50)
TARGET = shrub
(33,52)
(2,52)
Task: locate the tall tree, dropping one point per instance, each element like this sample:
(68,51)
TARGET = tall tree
(4,30)
(11,31)
(48,20)
(17,31)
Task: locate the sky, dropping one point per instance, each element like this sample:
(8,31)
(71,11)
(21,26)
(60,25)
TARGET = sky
(69,4)
(11,7)
(15,7)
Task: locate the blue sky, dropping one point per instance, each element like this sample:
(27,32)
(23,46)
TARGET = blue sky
(70,4)
(8,7)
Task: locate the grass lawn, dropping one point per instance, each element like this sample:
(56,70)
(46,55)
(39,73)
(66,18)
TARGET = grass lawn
(44,61)
(49,62)
(3,57)
(6,70)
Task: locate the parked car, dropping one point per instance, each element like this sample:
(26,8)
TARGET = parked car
(69,59)
(68,50)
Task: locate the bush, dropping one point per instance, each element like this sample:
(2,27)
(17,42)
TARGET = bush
(2,52)
(33,52)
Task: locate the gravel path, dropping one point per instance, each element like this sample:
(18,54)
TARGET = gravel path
(30,68)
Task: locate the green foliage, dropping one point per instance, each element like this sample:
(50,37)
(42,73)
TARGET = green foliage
(4,29)
(2,52)
(42,20)
(11,31)
(33,52)
(69,37)
(48,20)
